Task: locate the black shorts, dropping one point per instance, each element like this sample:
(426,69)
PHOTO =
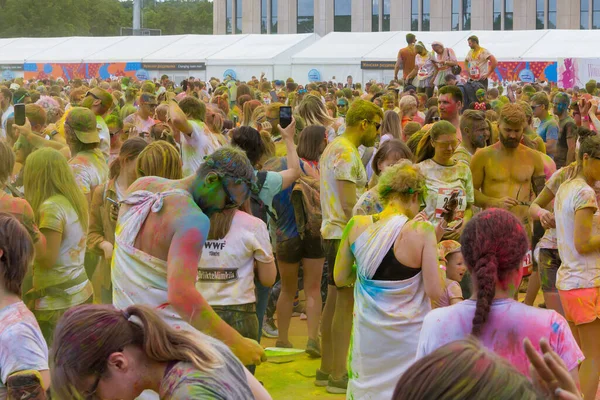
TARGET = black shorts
(330,248)
(549,263)
(293,250)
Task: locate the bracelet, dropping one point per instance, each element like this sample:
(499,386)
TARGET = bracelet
(585,118)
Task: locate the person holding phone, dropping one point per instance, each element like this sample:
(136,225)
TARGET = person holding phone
(104,211)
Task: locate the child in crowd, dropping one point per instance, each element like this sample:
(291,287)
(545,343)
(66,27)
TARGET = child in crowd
(452,260)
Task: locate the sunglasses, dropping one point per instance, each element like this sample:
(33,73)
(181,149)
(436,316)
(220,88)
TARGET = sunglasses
(92,94)
(436,119)
(377,124)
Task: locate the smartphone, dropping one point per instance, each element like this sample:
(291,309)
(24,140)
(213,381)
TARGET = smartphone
(285,116)
(20,114)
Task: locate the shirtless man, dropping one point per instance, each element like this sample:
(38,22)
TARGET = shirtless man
(508,174)
(161,231)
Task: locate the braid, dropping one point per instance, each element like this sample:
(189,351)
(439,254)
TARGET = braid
(485,270)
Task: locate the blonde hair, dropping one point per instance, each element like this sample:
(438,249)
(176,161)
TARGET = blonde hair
(313,111)
(402,179)
(87,335)
(7,162)
(160,159)
(513,114)
(47,174)
(392,124)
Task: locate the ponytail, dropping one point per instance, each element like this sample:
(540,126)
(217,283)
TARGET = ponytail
(425,149)
(162,343)
(486,271)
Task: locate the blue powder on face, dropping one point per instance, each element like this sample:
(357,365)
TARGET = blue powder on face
(555,327)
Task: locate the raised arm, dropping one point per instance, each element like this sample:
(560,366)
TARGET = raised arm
(293,161)
(178,118)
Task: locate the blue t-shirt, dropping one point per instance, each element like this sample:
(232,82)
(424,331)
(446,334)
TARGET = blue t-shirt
(282,204)
(548,129)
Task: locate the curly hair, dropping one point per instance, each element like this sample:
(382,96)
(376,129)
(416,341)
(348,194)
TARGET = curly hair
(513,114)
(493,244)
(403,179)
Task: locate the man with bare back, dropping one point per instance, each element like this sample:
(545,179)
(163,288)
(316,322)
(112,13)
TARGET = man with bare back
(160,234)
(508,174)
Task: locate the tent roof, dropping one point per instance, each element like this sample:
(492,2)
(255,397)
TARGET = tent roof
(342,48)
(74,49)
(21,50)
(565,44)
(193,48)
(261,49)
(133,48)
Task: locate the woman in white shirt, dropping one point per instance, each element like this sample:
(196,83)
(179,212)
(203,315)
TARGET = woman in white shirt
(237,242)
(445,176)
(578,279)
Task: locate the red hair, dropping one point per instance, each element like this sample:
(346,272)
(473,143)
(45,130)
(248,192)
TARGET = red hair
(493,244)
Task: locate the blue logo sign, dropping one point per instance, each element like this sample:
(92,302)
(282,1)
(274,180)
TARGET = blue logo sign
(142,75)
(314,75)
(527,76)
(8,75)
(230,73)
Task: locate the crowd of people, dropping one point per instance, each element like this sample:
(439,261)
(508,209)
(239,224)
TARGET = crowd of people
(152,232)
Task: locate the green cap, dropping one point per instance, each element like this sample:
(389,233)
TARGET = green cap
(83,122)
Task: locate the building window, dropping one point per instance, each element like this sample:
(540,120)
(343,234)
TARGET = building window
(596,14)
(551,14)
(386,15)
(425,15)
(508,15)
(374,15)
(263,16)
(273,16)
(414,15)
(585,14)
(238,16)
(497,15)
(455,15)
(306,16)
(228,16)
(466,15)
(540,14)
(342,20)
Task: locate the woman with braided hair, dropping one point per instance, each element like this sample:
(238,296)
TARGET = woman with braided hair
(493,244)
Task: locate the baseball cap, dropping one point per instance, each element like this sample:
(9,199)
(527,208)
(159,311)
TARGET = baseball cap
(102,95)
(447,247)
(83,122)
(15,86)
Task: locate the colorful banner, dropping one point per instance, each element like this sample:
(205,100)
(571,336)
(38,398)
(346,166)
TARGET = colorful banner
(577,71)
(80,70)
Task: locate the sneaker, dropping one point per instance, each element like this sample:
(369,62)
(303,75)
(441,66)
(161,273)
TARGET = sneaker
(269,329)
(322,379)
(313,349)
(284,345)
(298,310)
(337,386)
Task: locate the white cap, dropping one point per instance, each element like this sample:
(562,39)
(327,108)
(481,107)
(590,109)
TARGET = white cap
(15,86)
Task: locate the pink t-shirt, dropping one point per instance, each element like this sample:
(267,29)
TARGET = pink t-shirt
(509,322)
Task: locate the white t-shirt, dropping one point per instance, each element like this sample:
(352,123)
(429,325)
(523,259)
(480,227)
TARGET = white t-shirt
(441,181)
(90,170)
(22,345)
(10,111)
(195,147)
(57,214)
(104,136)
(140,124)
(478,63)
(577,270)
(509,322)
(226,268)
(340,162)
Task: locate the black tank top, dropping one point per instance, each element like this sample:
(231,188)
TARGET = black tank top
(391,269)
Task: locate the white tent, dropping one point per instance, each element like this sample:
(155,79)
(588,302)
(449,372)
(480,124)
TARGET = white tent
(190,49)
(564,44)
(338,54)
(509,45)
(254,54)
(21,50)
(74,49)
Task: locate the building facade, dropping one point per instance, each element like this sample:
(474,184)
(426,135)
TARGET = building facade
(324,16)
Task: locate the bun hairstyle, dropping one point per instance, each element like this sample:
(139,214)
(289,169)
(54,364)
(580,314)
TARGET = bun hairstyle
(402,179)
(493,245)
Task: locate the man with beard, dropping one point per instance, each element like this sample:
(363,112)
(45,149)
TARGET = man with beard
(475,132)
(505,173)
(449,105)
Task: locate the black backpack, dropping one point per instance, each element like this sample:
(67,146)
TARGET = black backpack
(469,91)
(258,207)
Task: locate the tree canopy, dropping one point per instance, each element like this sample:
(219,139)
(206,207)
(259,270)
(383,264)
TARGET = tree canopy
(55,18)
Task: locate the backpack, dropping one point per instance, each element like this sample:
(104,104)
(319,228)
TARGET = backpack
(469,90)
(306,201)
(258,207)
